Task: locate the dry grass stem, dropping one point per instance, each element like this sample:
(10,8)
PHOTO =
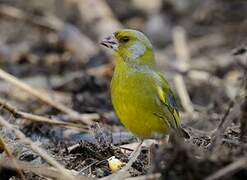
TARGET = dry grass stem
(18,83)
(181,47)
(229,169)
(40,119)
(183,55)
(12,158)
(146,177)
(123,173)
(183,94)
(232,112)
(42,170)
(38,150)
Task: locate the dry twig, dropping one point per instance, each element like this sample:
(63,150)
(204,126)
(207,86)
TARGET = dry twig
(123,173)
(229,169)
(181,47)
(183,55)
(42,170)
(41,119)
(12,158)
(183,94)
(38,150)
(232,112)
(146,177)
(86,119)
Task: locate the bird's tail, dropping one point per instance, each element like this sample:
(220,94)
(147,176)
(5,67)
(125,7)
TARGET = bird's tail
(183,133)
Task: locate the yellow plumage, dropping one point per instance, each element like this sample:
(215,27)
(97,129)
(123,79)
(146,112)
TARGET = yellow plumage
(141,96)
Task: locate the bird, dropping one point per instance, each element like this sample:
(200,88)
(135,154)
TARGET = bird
(140,94)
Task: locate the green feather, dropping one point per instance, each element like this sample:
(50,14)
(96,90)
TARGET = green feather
(141,96)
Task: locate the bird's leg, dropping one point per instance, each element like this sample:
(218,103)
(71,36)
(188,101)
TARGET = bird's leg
(151,152)
(124,171)
(133,156)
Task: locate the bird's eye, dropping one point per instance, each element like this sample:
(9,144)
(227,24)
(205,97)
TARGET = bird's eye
(124,39)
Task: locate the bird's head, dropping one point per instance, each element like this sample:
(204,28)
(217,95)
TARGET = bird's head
(130,45)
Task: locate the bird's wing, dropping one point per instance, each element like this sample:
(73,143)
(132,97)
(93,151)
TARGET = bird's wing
(171,114)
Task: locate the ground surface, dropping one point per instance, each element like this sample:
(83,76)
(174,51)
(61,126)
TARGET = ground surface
(53,46)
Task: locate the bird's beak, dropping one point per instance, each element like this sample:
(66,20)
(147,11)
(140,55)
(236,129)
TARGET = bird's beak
(110,42)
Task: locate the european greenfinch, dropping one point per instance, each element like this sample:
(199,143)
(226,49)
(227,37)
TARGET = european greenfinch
(140,94)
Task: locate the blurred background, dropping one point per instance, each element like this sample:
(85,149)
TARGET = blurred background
(53,47)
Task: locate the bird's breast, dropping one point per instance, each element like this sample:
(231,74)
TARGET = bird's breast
(134,101)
